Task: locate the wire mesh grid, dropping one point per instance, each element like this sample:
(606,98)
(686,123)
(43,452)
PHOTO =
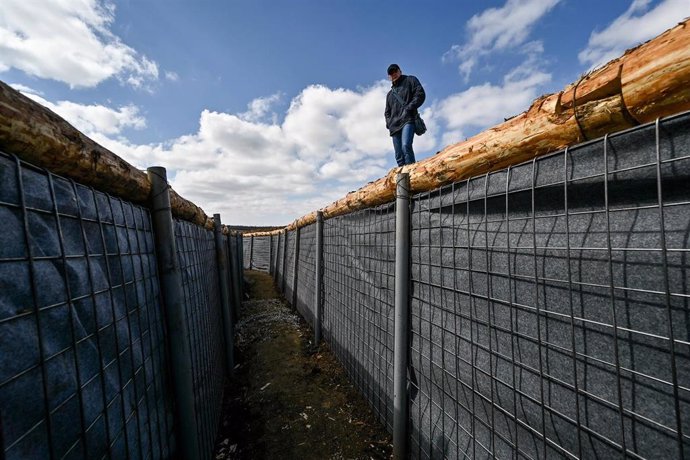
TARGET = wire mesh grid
(257,252)
(304,301)
(359,260)
(289,265)
(247,250)
(235,272)
(196,252)
(240,263)
(80,317)
(550,305)
(272,248)
(279,255)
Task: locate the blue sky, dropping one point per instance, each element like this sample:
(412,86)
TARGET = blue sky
(266,110)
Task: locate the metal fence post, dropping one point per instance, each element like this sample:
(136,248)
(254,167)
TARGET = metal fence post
(282,275)
(228,326)
(294,272)
(173,305)
(318,285)
(238,254)
(236,271)
(251,251)
(231,283)
(270,254)
(275,267)
(402,311)
(240,263)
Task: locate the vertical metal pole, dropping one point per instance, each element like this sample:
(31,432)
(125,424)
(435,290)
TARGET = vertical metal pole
(402,311)
(667,288)
(236,273)
(240,250)
(282,275)
(294,273)
(275,269)
(270,254)
(318,285)
(228,326)
(240,255)
(173,305)
(230,280)
(251,251)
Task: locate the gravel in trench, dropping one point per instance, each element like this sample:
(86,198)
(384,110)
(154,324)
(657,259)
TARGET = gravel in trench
(288,399)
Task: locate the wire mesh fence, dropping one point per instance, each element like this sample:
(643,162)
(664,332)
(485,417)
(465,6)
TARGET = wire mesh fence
(304,298)
(359,258)
(196,252)
(83,368)
(358,296)
(550,307)
(550,312)
(279,259)
(84,362)
(235,272)
(289,265)
(257,252)
(247,252)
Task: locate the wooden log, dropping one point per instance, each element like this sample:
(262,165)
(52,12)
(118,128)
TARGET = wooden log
(267,233)
(302,221)
(41,137)
(656,76)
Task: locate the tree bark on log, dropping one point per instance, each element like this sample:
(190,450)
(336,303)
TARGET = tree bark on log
(646,83)
(39,136)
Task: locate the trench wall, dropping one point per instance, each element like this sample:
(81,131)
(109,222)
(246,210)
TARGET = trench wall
(85,367)
(550,303)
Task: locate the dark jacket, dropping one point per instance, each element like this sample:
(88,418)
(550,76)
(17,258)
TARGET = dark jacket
(412,94)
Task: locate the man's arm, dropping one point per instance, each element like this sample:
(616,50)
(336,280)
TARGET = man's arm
(418,95)
(387,113)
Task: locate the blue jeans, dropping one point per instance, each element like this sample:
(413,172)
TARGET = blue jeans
(402,143)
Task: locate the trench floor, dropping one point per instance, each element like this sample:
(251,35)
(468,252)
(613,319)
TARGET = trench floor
(288,399)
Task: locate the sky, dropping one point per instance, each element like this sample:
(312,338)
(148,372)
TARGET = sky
(264,111)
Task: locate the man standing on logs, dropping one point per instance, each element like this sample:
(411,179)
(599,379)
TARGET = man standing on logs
(403,100)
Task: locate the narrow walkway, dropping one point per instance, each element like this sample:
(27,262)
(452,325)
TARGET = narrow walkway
(288,400)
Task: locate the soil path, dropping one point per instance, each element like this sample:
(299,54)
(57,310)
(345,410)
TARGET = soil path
(288,400)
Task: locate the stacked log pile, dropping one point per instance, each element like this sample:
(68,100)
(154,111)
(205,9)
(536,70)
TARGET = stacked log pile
(646,83)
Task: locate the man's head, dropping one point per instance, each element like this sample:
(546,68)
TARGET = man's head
(394,72)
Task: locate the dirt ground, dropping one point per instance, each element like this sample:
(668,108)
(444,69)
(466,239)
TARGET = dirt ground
(287,399)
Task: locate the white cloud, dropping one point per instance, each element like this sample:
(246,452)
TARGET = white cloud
(25,89)
(255,170)
(341,125)
(485,105)
(452,137)
(92,119)
(635,26)
(497,29)
(69,41)
(313,119)
(259,108)
(172,76)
